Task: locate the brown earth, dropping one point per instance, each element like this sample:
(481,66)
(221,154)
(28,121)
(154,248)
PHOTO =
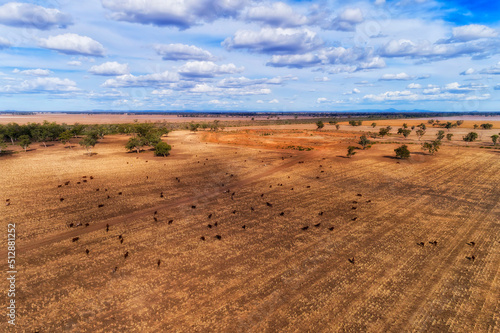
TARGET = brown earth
(271,275)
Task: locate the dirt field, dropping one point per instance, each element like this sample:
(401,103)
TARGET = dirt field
(310,241)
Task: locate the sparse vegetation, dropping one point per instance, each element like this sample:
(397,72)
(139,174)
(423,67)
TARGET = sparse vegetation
(351,151)
(494,138)
(319,125)
(24,141)
(470,137)
(162,149)
(432,147)
(363,141)
(487,126)
(449,136)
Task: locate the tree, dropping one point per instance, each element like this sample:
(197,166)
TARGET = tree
(430,121)
(320,125)
(65,137)
(494,138)
(476,126)
(41,134)
(337,126)
(193,127)
(384,131)
(487,126)
(134,143)
(12,130)
(24,141)
(422,126)
(373,125)
(448,125)
(363,141)
(88,142)
(459,122)
(470,137)
(440,134)
(420,133)
(355,122)
(3,145)
(77,129)
(449,136)
(405,125)
(162,149)
(350,151)
(432,147)
(402,152)
(405,132)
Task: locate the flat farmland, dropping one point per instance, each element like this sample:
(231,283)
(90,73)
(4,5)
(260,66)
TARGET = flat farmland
(237,231)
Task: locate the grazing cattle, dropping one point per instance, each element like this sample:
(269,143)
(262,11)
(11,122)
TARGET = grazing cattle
(354,202)
(156,212)
(233,193)
(75,239)
(209,216)
(305,228)
(351,260)
(147,177)
(87,224)
(107,227)
(91,177)
(61,199)
(472,258)
(119,193)
(320,213)
(354,218)
(202,238)
(270,186)
(215,224)
(251,208)
(317,177)
(209,226)
(421,244)
(85,180)
(193,206)
(359,195)
(121,241)
(219,237)
(262,195)
(331,228)
(170,221)
(159,262)
(66,183)
(125,255)
(269,204)
(354,207)
(234,212)
(79,224)
(154,218)
(120,236)
(87,251)
(71,225)
(368,201)
(244,226)
(291,189)
(115,269)
(84,176)
(109,197)
(322,171)
(59,185)
(308,186)
(97,190)
(471,243)
(77,182)
(282,213)
(105,190)
(101,205)
(161,195)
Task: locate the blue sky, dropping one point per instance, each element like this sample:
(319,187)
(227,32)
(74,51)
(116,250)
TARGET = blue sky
(250,55)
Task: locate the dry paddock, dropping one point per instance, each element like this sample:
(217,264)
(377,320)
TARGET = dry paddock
(270,275)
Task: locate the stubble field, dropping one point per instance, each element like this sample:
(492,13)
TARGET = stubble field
(310,241)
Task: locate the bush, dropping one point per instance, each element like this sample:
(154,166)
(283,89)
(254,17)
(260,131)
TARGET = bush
(402,152)
(162,149)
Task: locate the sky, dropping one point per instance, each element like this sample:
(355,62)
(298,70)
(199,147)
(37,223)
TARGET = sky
(249,55)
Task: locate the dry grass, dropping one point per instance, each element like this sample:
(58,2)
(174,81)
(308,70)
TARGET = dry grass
(272,275)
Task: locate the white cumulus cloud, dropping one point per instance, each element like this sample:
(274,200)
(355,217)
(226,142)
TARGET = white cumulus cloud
(26,15)
(111,68)
(73,44)
(277,14)
(182,52)
(207,69)
(129,80)
(473,31)
(33,72)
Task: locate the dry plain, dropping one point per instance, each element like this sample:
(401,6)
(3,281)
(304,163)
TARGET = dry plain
(267,272)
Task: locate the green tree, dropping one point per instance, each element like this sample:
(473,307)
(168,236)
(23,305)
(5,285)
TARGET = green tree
(373,125)
(77,129)
(134,144)
(65,137)
(476,126)
(459,122)
(363,141)
(448,125)
(162,149)
(193,127)
(405,125)
(470,137)
(432,147)
(402,152)
(440,134)
(24,141)
(449,136)
(88,142)
(420,133)
(3,145)
(384,131)
(350,151)
(320,125)
(494,138)
(487,126)
(337,126)
(12,130)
